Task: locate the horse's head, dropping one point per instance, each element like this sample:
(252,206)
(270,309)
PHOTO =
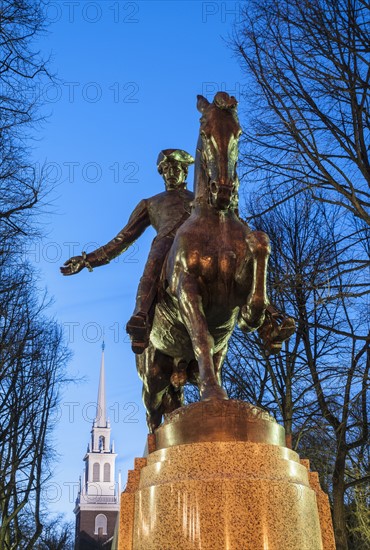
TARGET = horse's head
(218,148)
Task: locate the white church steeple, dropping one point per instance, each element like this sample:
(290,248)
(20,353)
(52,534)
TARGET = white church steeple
(97,502)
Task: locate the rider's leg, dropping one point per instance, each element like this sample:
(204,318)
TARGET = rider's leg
(140,323)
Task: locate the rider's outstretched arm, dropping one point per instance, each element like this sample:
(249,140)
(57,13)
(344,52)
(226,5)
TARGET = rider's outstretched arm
(136,225)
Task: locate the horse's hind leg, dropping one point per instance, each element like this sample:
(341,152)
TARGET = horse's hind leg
(252,314)
(191,309)
(179,376)
(173,399)
(162,403)
(155,370)
(153,415)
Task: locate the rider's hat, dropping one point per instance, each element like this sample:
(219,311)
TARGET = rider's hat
(175,154)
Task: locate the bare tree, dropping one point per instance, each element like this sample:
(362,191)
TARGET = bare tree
(32,351)
(22,70)
(310,64)
(32,360)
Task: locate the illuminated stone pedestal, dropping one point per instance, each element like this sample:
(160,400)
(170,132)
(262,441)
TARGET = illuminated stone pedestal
(221,479)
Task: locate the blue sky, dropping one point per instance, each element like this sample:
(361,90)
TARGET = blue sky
(129,73)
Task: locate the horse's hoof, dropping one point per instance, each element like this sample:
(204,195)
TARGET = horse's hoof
(213,391)
(274,334)
(252,317)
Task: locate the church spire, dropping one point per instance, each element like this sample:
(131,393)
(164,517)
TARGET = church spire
(97,503)
(101,411)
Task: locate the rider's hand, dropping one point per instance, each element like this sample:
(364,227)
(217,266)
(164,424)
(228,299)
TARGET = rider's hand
(73,265)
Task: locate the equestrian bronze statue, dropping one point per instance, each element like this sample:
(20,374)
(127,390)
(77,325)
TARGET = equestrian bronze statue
(207,273)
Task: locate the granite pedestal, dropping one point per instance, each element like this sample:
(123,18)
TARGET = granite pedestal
(220,478)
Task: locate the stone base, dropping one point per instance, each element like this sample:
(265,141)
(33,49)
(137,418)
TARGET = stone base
(241,490)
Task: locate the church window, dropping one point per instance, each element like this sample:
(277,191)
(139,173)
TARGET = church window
(106,472)
(96,472)
(101,443)
(100,524)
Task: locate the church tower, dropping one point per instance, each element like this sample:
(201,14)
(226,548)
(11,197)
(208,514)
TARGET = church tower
(97,503)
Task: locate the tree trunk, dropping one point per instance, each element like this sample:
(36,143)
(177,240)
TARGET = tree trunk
(339,512)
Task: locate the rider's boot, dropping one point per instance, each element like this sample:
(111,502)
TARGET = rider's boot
(139,327)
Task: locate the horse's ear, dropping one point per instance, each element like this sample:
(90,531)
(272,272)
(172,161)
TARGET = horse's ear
(202,103)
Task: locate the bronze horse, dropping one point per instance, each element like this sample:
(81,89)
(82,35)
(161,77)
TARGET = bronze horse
(214,275)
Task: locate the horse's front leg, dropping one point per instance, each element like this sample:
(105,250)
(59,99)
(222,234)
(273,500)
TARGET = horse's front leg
(252,314)
(218,361)
(191,309)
